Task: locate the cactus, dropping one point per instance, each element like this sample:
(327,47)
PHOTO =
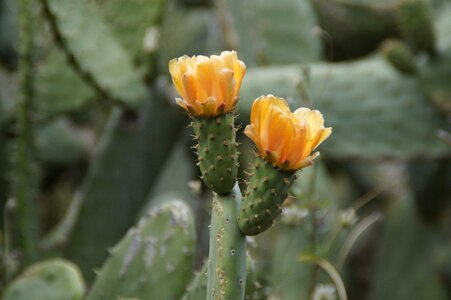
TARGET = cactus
(153,260)
(197,289)
(434,80)
(24,172)
(124,146)
(354,28)
(217,151)
(255,30)
(58,87)
(187,32)
(416,25)
(105,65)
(400,56)
(355,136)
(58,143)
(54,279)
(227,259)
(406,240)
(133,22)
(266,190)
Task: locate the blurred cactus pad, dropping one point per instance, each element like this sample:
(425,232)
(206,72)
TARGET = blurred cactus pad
(109,190)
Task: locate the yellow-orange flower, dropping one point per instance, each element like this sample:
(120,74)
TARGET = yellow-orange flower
(283,138)
(208,86)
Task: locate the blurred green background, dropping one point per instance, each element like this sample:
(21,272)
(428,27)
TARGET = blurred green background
(91,139)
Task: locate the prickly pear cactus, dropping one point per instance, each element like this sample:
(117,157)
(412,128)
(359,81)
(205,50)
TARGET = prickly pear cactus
(217,151)
(54,279)
(399,56)
(405,240)
(95,52)
(266,190)
(369,87)
(416,25)
(153,261)
(227,259)
(197,289)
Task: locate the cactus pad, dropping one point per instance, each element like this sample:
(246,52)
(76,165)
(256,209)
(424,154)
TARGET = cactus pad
(153,261)
(399,56)
(416,25)
(227,259)
(265,193)
(217,151)
(49,280)
(92,46)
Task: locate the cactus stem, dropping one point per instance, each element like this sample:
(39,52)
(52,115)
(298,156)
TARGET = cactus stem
(227,258)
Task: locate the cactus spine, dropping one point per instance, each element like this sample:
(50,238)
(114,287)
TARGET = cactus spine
(265,193)
(217,151)
(227,260)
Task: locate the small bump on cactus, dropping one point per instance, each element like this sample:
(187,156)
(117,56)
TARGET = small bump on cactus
(265,193)
(217,151)
(399,56)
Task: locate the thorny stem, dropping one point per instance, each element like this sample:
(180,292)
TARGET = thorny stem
(24,185)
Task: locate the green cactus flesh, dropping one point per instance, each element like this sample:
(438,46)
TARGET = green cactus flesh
(153,261)
(416,25)
(217,151)
(227,259)
(54,279)
(266,190)
(399,56)
(197,289)
(97,54)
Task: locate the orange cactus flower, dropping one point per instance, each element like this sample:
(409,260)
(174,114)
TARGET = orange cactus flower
(208,86)
(283,138)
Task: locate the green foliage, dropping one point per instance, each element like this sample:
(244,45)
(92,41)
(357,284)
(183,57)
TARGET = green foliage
(132,22)
(395,121)
(54,279)
(406,252)
(154,260)
(119,178)
(435,81)
(268,32)
(74,55)
(58,87)
(57,143)
(187,32)
(217,151)
(367,88)
(91,45)
(354,28)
